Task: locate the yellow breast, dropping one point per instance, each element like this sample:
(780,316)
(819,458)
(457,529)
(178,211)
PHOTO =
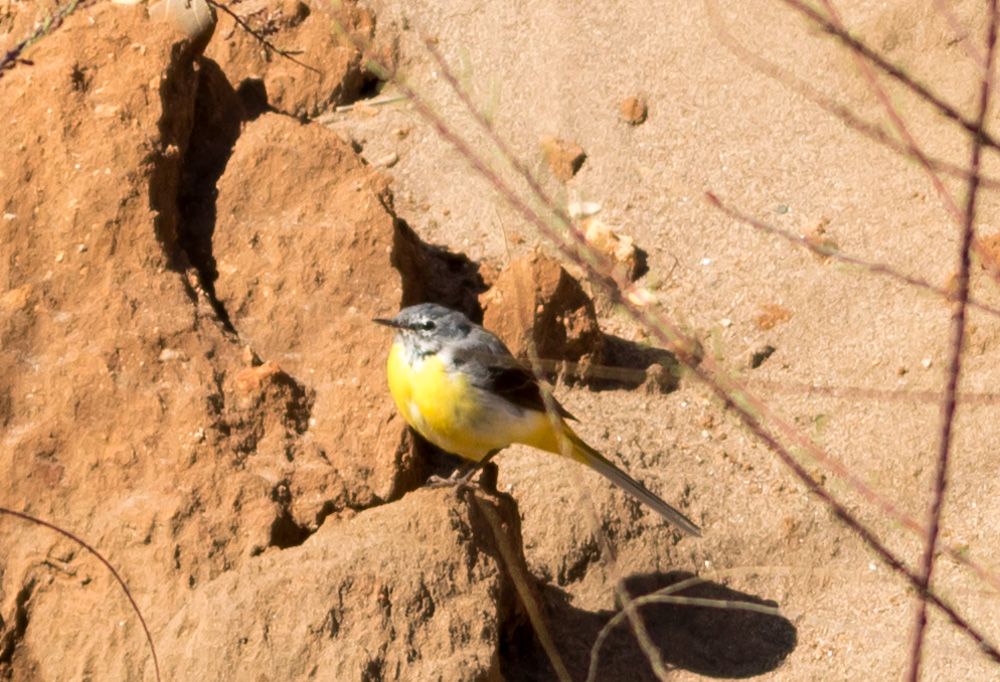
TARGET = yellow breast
(442,406)
(448,410)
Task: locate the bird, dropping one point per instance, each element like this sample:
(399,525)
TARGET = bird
(457,385)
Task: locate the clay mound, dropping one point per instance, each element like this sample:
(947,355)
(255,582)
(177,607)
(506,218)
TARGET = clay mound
(194,384)
(352,604)
(327,70)
(300,220)
(537,307)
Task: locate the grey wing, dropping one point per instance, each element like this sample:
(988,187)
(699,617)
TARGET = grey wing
(495,369)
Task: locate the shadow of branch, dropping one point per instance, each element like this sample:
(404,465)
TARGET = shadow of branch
(723,642)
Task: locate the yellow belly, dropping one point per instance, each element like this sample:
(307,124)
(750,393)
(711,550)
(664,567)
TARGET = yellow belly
(446,409)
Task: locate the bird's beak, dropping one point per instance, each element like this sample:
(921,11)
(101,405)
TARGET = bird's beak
(388,323)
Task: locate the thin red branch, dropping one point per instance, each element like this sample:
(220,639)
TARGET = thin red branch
(955,361)
(828,252)
(872,131)
(12,57)
(268,45)
(897,73)
(107,564)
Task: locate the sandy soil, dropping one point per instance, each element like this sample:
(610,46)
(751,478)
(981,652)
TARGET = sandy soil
(189,379)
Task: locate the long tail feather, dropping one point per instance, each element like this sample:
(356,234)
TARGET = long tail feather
(596,461)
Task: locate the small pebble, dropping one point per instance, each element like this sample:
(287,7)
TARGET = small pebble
(387,161)
(634,110)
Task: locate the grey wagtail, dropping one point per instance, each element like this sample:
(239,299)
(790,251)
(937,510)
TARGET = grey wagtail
(460,387)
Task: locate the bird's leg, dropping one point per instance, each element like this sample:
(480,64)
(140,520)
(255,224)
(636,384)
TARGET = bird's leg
(435,481)
(463,475)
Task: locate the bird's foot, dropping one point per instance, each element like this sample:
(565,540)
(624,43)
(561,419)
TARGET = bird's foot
(435,481)
(463,476)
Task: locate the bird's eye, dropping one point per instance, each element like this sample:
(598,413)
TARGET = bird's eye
(426,325)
